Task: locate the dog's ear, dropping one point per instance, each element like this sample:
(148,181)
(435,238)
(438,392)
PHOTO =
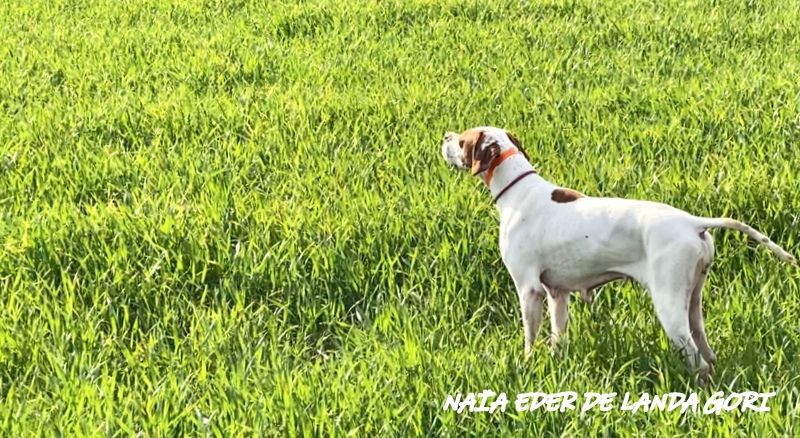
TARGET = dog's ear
(479,151)
(467,141)
(483,156)
(516,142)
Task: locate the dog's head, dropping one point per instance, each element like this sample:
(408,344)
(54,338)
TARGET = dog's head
(476,148)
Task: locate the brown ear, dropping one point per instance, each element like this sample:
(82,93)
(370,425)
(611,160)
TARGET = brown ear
(482,157)
(468,140)
(477,156)
(516,142)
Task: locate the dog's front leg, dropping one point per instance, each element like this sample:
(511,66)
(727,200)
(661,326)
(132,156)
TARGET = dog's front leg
(530,303)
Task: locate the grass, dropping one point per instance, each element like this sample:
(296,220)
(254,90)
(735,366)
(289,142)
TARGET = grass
(232,218)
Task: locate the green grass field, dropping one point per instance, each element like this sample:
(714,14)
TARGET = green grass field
(233,218)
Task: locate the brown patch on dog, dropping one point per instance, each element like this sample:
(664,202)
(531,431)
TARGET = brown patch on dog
(467,141)
(483,156)
(478,157)
(565,195)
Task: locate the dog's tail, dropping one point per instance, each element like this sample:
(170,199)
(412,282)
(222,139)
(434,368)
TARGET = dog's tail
(723,222)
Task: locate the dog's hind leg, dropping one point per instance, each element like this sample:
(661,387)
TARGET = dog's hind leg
(671,287)
(587,295)
(696,323)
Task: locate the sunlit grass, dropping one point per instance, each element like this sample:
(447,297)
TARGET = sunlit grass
(233,218)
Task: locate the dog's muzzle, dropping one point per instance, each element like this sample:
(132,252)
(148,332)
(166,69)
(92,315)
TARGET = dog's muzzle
(451,151)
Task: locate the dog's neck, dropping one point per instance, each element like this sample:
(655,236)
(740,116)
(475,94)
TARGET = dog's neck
(506,173)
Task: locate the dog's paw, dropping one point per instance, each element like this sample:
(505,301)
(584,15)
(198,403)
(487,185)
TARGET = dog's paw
(704,374)
(703,380)
(528,352)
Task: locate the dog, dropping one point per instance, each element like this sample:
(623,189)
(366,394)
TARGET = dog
(554,240)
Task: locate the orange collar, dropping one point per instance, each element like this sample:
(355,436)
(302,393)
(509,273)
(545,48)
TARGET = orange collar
(498,161)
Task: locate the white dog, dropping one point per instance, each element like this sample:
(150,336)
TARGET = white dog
(555,240)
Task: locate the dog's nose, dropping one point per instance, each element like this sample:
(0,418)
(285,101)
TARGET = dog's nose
(449,136)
